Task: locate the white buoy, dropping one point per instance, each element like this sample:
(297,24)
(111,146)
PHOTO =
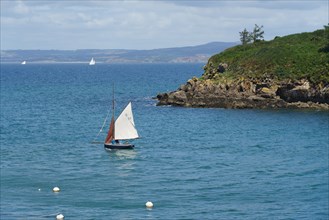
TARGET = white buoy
(149,204)
(59,217)
(39,189)
(56,189)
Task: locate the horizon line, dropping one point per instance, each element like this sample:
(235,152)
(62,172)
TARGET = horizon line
(236,42)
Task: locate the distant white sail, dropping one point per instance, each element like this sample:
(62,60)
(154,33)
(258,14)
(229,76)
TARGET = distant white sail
(24,62)
(125,125)
(92,61)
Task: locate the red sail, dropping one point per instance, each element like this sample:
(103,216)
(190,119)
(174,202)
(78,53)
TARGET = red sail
(110,134)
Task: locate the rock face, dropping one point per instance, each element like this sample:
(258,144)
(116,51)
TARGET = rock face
(248,93)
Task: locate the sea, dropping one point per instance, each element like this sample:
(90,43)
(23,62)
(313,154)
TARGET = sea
(191,163)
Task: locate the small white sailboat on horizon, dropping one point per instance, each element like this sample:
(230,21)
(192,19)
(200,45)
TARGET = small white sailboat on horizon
(24,62)
(92,61)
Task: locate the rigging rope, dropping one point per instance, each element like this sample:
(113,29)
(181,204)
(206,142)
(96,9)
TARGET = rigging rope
(108,113)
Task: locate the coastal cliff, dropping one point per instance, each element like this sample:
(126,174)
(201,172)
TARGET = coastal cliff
(287,72)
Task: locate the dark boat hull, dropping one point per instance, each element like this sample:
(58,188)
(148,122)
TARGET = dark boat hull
(118,146)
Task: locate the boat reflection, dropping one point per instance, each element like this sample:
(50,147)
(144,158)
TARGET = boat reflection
(123,162)
(121,154)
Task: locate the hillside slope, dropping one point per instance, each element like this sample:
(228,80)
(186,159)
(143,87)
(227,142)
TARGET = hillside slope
(287,72)
(294,56)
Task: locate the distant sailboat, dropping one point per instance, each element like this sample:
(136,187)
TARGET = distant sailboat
(24,62)
(123,128)
(92,61)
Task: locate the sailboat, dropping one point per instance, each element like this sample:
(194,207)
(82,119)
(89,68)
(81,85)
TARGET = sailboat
(24,62)
(92,61)
(121,129)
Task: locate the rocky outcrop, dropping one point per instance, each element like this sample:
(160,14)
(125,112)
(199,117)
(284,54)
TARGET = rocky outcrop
(248,93)
(290,72)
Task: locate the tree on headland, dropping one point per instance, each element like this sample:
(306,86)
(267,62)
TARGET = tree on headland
(245,37)
(256,35)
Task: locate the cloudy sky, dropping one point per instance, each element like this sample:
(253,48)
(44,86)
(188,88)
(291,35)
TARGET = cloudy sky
(147,24)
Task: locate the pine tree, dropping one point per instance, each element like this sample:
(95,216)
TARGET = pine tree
(257,33)
(245,37)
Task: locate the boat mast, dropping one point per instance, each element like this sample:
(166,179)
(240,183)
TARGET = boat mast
(113,109)
(113,101)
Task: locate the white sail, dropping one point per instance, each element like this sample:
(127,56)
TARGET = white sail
(92,61)
(125,125)
(24,62)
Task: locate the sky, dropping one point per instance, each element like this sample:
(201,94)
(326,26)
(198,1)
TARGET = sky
(150,24)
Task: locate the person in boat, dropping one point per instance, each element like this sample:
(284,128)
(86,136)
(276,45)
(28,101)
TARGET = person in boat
(115,142)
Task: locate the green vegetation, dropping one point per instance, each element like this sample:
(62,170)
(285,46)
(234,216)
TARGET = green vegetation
(296,56)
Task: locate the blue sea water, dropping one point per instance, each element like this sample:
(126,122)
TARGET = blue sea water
(192,163)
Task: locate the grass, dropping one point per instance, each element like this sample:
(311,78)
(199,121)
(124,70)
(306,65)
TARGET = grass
(292,57)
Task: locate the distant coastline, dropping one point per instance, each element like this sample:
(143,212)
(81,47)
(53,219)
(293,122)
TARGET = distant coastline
(191,54)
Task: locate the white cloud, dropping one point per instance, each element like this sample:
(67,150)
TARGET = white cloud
(21,8)
(149,24)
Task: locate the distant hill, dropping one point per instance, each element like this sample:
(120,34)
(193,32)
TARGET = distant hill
(191,54)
